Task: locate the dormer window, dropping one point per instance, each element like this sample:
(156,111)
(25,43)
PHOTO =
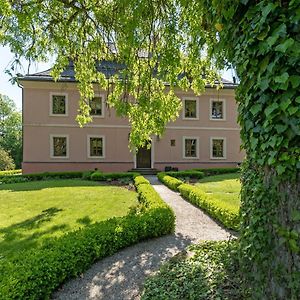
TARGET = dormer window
(58,104)
(190,109)
(97,106)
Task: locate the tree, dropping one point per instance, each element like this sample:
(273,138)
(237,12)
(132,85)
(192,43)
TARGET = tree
(10,129)
(182,41)
(6,162)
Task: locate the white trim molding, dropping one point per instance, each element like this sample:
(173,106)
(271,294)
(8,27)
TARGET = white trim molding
(102,96)
(184,138)
(51,146)
(211,100)
(197,108)
(224,148)
(51,114)
(89,146)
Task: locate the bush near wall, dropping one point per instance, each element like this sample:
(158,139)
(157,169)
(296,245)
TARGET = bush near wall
(41,271)
(169,181)
(10,172)
(99,176)
(217,171)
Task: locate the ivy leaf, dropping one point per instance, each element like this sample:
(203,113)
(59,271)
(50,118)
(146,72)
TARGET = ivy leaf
(284,46)
(271,108)
(255,109)
(267,9)
(281,128)
(285,104)
(282,78)
(280,169)
(296,215)
(295,81)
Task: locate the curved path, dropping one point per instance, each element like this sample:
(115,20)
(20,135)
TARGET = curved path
(121,276)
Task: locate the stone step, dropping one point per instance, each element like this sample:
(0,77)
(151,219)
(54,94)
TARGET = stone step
(145,171)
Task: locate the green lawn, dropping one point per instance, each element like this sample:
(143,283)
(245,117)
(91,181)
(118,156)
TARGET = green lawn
(225,188)
(32,212)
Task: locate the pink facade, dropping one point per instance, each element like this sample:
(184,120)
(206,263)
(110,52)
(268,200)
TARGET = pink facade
(187,143)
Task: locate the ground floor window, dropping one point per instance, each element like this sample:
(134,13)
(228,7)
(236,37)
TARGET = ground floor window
(218,148)
(59,146)
(95,146)
(190,147)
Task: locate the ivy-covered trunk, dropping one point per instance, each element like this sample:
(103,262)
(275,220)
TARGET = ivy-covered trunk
(262,40)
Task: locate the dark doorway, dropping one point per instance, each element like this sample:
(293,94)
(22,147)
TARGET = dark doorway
(143,158)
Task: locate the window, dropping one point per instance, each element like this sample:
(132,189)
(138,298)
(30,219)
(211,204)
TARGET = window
(217,148)
(190,146)
(95,146)
(217,109)
(59,146)
(97,106)
(190,109)
(173,143)
(58,105)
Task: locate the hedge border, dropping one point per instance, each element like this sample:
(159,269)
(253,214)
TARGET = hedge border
(221,212)
(38,272)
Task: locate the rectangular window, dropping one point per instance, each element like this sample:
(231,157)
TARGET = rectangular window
(190,148)
(217,110)
(96,106)
(58,104)
(217,148)
(190,109)
(59,146)
(95,146)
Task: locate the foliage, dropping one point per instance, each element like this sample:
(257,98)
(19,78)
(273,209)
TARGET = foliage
(10,172)
(217,171)
(209,270)
(45,209)
(99,176)
(140,180)
(171,182)
(219,209)
(40,271)
(11,129)
(6,161)
(186,174)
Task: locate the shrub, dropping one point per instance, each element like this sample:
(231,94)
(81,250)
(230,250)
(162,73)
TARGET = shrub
(10,172)
(6,161)
(186,174)
(40,271)
(217,171)
(171,182)
(99,176)
(225,213)
(140,180)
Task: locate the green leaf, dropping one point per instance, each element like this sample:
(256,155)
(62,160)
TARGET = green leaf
(282,78)
(283,47)
(284,104)
(267,9)
(293,110)
(296,215)
(255,109)
(281,128)
(280,169)
(295,81)
(271,108)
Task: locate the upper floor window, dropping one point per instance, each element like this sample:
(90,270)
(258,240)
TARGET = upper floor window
(58,104)
(97,106)
(190,109)
(190,147)
(59,146)
(217,109)
(95,146)
(217,148)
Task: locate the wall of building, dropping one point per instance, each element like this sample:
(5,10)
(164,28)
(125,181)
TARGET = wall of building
(39,125)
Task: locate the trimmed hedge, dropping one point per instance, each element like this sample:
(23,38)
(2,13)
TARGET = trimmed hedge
(38,272)
(169,181)
(140,180)
(226,214)
(186,174)
(10,172)
(217,171)
(99,176)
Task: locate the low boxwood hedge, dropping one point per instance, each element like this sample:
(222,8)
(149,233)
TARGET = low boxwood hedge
(186,174)
(217,171)
(169,181)
(10,172)
(38,272)
(228,215)
(140,180)
(99,176)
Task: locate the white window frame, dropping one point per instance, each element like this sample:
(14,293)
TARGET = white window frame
(89,146)
(224,147)
(51,114)
(102,106)
(51,146)
(183,146)
(197,108)
(210,109)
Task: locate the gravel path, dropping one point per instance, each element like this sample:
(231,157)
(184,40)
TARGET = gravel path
(121,276)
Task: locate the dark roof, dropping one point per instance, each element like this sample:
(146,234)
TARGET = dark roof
(108,68)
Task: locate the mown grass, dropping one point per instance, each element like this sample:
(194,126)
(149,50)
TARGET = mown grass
(224,188)
(33,212)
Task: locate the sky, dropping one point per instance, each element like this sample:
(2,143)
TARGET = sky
(14,92)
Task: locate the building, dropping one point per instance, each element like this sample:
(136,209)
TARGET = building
(205,135)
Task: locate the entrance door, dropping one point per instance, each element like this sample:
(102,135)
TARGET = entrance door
(143,158)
